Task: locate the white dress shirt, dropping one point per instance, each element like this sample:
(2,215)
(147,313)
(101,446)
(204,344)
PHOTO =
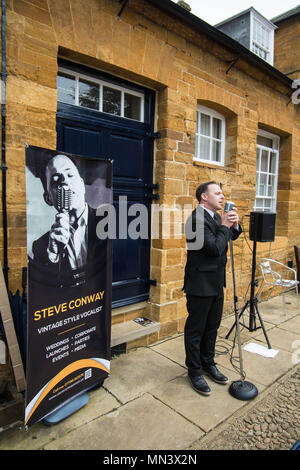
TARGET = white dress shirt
(78,242)
(212,214)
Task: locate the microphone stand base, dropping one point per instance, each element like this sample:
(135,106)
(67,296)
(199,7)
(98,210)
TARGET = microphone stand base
(243,390)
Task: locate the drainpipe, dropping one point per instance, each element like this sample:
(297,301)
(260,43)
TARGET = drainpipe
(3,140)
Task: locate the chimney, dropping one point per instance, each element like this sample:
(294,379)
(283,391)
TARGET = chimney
(184,5)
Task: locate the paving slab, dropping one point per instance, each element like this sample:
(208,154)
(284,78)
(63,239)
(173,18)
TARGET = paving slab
(100,402)
(292,325)
(260,369)
(272,311)
(173,349)
(227,323)
(281,339)
(138,372)
(204,411)
(291,297)
(246,335)
(143,424)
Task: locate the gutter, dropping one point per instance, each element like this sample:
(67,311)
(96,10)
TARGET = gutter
(3,140)
(287,15)
(221,38)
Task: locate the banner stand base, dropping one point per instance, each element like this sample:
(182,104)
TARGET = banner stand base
(67,410)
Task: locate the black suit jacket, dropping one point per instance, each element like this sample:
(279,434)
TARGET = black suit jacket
(205,270)
(45,272)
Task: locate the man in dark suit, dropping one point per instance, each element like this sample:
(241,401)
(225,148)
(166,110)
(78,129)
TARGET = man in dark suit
(203,284)
(70,251)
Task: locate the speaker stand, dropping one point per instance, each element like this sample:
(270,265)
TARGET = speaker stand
(252,303)
(240,389)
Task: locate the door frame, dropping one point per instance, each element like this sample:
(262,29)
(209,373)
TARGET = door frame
(94,119)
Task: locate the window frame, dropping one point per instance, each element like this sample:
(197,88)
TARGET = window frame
(212,114)
(254,43)
(77,76)
(275,150)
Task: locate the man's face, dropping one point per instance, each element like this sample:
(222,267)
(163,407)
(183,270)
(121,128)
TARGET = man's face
(213,199)
(61,171)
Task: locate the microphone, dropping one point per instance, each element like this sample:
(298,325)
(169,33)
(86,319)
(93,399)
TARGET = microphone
(229,205)
(64,204)
(64,198)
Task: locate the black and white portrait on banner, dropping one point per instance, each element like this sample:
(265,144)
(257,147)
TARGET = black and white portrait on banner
(69,277)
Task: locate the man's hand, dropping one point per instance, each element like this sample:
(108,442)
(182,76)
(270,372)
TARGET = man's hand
(230,218)
(234,217)
(59,234)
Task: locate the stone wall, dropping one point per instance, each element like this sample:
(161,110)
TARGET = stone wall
(185,67)
(287,45)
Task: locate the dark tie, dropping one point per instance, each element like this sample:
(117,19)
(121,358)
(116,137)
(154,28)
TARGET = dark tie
(217,218)
(75,224)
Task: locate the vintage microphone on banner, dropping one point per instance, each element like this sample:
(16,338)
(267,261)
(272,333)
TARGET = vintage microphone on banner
(240,389)
(64,204)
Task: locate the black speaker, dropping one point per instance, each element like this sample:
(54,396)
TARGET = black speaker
(262,226)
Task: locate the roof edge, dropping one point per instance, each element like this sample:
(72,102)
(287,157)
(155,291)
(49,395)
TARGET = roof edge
(287,15)
(221,38)
(249,10)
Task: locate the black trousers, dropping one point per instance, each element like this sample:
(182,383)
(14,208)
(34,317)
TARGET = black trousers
(200,331)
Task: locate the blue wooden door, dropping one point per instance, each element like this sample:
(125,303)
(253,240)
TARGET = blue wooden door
(129,143)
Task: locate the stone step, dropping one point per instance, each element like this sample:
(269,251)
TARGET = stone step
(129,312)
(131,330)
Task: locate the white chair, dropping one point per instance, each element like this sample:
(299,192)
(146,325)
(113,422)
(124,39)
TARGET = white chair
(272,272)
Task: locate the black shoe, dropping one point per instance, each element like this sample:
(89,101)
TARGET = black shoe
(199,384)
(215,374)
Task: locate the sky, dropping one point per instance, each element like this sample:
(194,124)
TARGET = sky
(215,11)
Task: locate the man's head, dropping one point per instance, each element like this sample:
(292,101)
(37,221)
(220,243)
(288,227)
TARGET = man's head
(62,172)
(210,195)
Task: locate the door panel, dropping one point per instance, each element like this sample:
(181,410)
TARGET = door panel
(129,156)
(82,141)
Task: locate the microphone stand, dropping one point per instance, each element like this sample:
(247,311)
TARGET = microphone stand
(252,303)
(240,389)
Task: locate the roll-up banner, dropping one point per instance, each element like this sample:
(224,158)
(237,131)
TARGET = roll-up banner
(69,278)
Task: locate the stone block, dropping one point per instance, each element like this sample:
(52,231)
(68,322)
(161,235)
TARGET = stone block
(137,50)
(174,256)
(158,258)
(171,170)
(27,9)
(172,186)
(164,313)
(31,94)
(168,329)
(151,61)
(62,22)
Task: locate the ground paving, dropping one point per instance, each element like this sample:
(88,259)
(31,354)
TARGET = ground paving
(147,403)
